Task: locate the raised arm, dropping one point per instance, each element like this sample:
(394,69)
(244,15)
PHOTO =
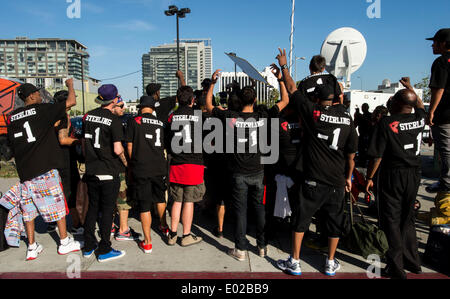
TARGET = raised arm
(180,77)
(282,60)
(283,91)
(407,84)
(71,98)
(210,94)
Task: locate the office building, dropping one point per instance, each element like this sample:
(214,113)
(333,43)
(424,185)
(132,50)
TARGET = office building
(160,65)
(43,61)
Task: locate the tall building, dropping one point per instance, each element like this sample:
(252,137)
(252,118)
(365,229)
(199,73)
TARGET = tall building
(160,65)
(263,91)
(42,61)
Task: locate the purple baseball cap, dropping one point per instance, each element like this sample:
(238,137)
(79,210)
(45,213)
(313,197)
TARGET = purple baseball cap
(106,94)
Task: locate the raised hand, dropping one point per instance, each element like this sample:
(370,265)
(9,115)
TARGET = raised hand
(282,58)
(215,76)
(69,82)
(276,71)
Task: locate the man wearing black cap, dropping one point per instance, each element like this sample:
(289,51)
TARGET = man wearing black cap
(32,136)
(439,114)
(69,173)
(105,160)
(327,162)
(163,106)
(396,142)
(145,142)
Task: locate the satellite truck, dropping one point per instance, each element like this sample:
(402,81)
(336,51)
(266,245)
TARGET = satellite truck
(345,50)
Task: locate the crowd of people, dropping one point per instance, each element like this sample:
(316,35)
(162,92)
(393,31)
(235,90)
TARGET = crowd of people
(169,156)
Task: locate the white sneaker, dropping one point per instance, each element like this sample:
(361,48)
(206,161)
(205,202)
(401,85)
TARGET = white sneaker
(331,267)
(71,246)
(32,254)
(289,266)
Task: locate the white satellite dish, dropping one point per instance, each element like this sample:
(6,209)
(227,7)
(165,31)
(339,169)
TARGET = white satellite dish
(345,50)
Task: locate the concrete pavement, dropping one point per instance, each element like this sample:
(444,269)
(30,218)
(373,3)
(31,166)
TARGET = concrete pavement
(207,257)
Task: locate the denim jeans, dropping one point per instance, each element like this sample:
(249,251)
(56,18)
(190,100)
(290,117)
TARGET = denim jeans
(102,199)
(248,188)
(441,136)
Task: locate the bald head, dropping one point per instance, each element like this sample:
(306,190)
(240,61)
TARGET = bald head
(403,101)
(406,97)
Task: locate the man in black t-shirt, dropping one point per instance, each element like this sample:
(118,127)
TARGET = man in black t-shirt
(319,78)
(105,160)
(187,187)
(165,106)
(364,123)
(70,176)
(145,138)
(38,155)
(439,114)
(327,162)
(245,165)
(396,143)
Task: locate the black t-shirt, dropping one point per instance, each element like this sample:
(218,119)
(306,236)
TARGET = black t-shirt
(184,130)
(290,140)
(329,136)
(440,79)
(101,129)
(146,133)
(397,139)
(164,107)
(246,158)
(308,85)
(31,133)
(69,152)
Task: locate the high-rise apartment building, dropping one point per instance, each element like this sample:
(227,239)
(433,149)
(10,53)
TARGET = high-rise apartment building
(160,65)
(38,60)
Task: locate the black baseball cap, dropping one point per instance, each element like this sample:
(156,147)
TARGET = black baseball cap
(152,88)
(324,93)
(443,35)
(25,90)
(147,102)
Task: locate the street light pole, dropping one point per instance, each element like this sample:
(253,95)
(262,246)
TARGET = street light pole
(82,56)
(297,58)
(361,82)
(180,13)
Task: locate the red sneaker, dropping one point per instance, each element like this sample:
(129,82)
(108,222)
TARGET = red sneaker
(164,230)
(146,248)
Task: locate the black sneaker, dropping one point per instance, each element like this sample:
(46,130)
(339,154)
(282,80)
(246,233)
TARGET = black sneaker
(217,233)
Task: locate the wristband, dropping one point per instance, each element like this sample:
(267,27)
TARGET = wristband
(369,179)
(284,67)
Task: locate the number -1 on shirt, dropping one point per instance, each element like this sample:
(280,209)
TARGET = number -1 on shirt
(32,136)
(397,139)
(101,129)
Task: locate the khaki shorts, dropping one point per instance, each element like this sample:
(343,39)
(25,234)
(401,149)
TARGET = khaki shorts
(125,202)
(184,193)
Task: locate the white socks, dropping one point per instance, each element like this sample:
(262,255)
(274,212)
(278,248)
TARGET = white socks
(32,246)
(65,241)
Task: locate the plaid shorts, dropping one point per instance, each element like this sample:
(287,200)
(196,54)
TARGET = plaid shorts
(43,196)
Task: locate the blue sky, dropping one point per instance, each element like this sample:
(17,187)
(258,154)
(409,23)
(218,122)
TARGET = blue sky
(118,32)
